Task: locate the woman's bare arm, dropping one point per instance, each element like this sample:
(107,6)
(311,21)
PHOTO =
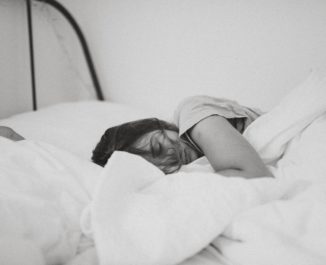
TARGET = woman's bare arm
(227,150)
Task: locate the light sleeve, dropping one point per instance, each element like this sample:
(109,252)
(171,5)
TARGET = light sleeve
(196,108)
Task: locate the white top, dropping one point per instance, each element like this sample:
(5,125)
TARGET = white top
(196,108)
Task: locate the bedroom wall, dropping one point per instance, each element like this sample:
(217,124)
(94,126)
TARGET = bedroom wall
(13,60)
(152,53)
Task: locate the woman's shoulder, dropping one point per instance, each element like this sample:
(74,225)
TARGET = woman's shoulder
(193,109)
(205,102)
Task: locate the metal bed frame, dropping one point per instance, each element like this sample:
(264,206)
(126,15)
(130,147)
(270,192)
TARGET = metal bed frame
(81,37)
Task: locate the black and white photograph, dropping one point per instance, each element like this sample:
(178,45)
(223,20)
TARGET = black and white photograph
(162,132)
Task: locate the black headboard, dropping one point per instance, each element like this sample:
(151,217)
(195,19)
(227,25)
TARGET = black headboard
(81,37)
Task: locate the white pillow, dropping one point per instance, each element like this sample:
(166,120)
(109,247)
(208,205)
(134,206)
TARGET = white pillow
(271,132)
(76,127)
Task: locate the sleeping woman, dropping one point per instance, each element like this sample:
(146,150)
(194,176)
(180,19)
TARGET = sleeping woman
(204,126)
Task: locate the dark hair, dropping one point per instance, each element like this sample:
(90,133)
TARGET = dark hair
(122,137)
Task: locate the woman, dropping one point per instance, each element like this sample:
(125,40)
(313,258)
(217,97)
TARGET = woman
(206,126)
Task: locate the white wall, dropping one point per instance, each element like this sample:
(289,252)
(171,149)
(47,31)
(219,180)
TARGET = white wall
(250,50)
(13,60)
(145,51)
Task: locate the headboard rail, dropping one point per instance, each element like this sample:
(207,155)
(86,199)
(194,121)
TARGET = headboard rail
(91,67)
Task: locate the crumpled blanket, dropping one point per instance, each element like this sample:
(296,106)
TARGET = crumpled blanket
(136,215)
(43,193)
(292,138)
(141,217)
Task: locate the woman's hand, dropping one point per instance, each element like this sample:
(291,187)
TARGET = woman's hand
(10,134)
(229,153)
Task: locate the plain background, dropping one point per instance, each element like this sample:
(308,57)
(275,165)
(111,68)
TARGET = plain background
(152,53)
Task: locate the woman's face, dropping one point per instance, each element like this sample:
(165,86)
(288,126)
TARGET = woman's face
(166,150)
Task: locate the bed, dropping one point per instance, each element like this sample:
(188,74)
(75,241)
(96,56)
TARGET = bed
(57,207)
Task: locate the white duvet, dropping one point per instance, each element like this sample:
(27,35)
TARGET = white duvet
(141,217)
(53,204)
(291,230)
(43,192)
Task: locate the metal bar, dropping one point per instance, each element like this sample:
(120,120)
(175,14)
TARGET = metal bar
(31,51)
(83,42)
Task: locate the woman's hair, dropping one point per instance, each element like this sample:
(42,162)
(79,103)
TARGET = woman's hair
(122,138)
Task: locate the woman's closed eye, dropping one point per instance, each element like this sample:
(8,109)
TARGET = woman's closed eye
(156,149)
